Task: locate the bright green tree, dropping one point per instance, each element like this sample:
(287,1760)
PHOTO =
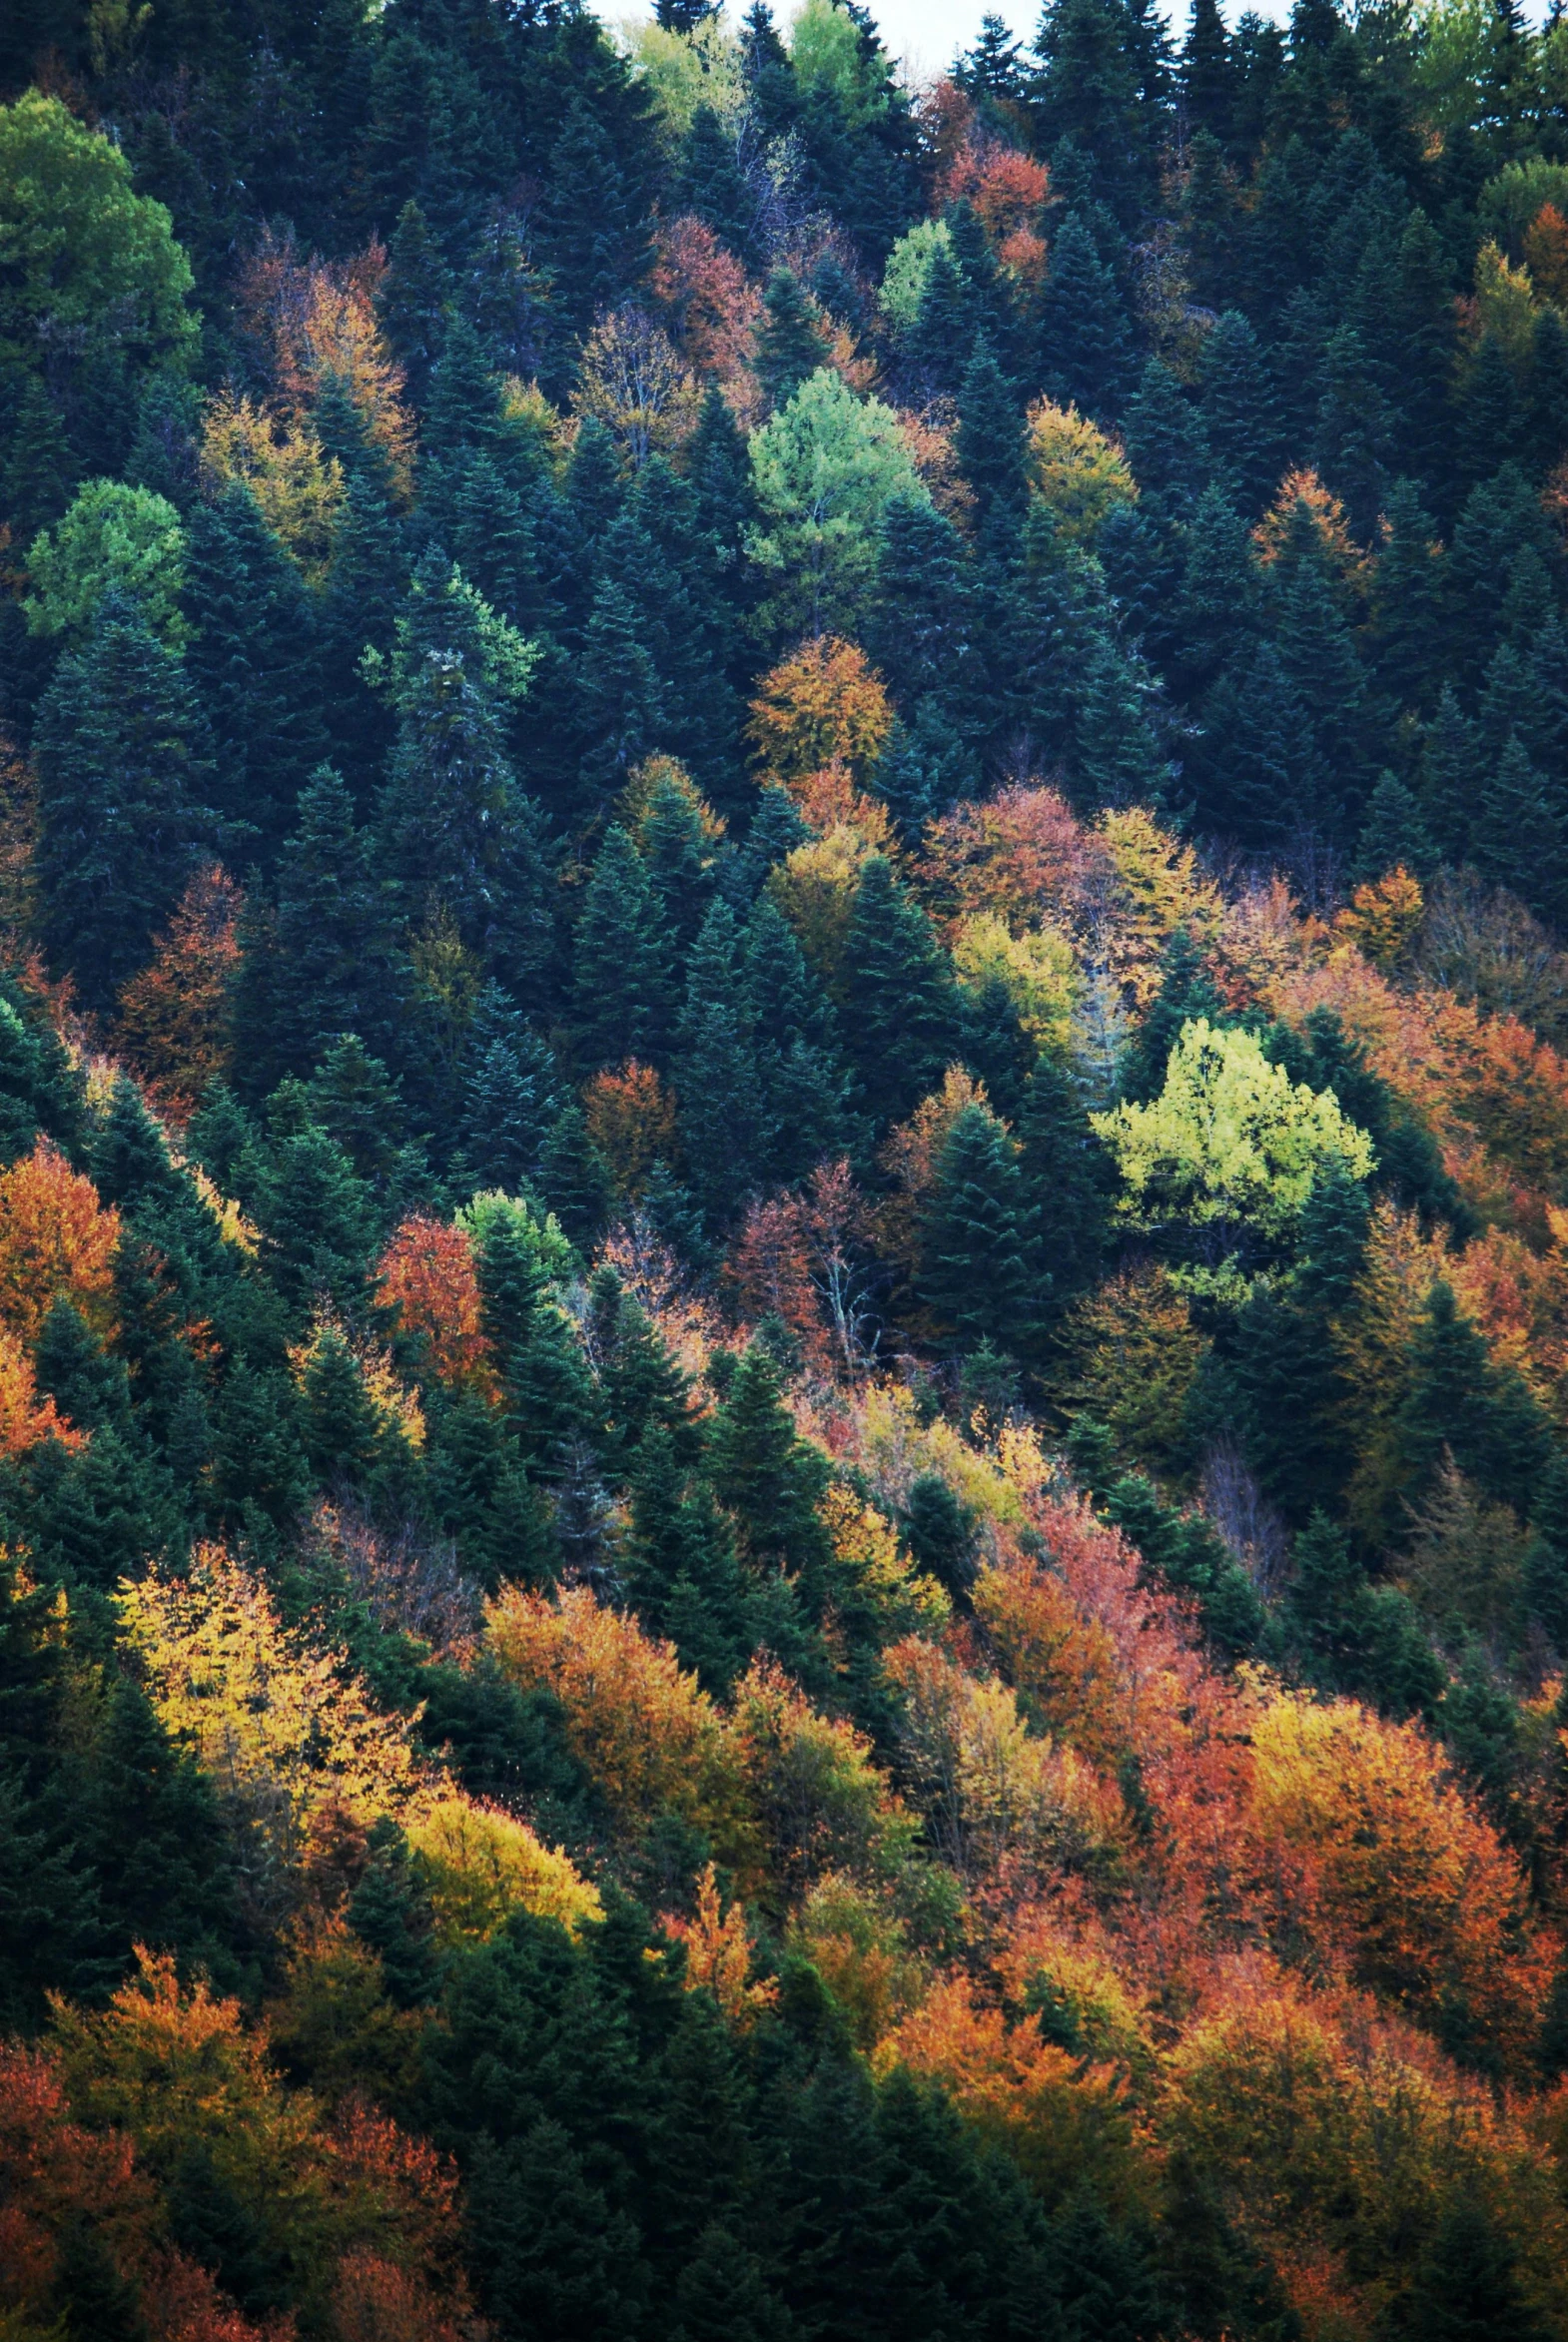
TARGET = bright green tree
(113,538)
(824,471)
(83,252)
(1230,1140)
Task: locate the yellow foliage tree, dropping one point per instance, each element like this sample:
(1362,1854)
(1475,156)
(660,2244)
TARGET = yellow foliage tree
(1383,917)
(630,379)
(284,1729)
(1038,969)
(1075,471)
(297,486)
(815,888)
(481,1864)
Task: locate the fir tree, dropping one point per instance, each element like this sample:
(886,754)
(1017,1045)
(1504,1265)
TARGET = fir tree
(1450,781)
(415,296)
(621,960)
(710,183)
(1066,1178)
(1186,991)
(1241,411)
(591,233)
(1084,338)
(321,960)
(122,771)
(1518,837)
(901,1009)
(253,662)
(1208,74)
(991,448)
(978,1275)
(789,348)
(1394,834)
(456,832)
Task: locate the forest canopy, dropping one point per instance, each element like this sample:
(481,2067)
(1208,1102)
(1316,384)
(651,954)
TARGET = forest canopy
(783,1176)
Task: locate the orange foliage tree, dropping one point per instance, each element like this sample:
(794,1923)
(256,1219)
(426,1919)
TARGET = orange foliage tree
(709,302)
(56,1238)
(807,1260)
(1022,854)
(640,1723)
(825,703)
(426,1275)
(631,1119)
(173,1015)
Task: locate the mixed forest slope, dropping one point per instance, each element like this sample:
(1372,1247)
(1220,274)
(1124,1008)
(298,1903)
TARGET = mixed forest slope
(783,1176)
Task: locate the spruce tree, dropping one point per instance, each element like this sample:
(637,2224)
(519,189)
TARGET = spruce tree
(1085,337)
(1186,991)
(919,634)
(124,772)
(1066,1178)
(253,662)
(991,447)
(979,1272)
(901,1009)
(1450,776)
(789,348)
(365,590)
(619,703)
(1394,834)
(1165,440)
(1208,74)
(1241,411)
(509,1095)
(590,228)
(415,296)
(457,835)
(575,1179)
(710,184)
(322,958)
(621,960)
(1519,838)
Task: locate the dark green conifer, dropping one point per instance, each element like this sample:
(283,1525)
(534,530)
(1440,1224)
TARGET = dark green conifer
(991,448)
(414,299)
(901,1007)
(789,348)
(575,1179)
(1241,411)
(621,960)
(1085,337)
(979,1271)
(124,773)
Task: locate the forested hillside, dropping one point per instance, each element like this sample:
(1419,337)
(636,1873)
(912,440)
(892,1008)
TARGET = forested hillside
(783,1176)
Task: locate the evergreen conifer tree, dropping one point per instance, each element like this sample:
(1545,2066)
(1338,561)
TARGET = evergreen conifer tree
(979,1273)
(322,958)
(991,447)
(621,960)
(124,772)
(457,834)
(1084,338)
(252,663)
(788,345)
(901,1009)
